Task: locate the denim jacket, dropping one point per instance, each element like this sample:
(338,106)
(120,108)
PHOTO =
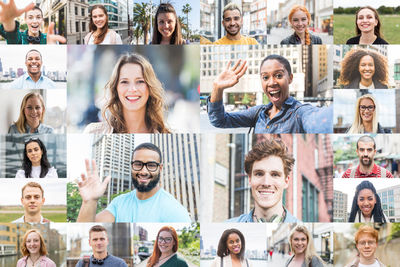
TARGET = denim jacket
(294,117)
(248,217)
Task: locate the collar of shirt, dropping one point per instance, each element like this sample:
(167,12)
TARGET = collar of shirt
(374,171)
(28,77)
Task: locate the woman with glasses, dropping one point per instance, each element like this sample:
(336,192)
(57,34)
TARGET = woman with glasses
(165,250)
(366,239)
(33,248)
(366,205)
(135,99)
(364,69)
(365,118)
(35,163)
(31,116)
(231,250)
(302,247)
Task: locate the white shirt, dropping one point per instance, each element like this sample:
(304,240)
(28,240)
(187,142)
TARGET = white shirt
(107,39)
(375,264)
(52,173)
(22,220)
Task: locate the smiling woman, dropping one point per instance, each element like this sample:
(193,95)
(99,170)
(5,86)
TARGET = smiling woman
(99,31)
(300,19)
(302,247)
(31,116)
(283,114)
(34,250)
(135,99)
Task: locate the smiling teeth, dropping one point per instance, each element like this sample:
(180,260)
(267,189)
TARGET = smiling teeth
(132,97)
(274,92)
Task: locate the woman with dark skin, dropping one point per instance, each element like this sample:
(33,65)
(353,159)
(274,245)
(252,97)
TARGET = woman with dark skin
(368,27)
(366,205)
(371,73)
(283,114)
(231,250)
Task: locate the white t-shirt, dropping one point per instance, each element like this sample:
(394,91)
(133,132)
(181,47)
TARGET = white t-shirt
(52,173)
(375,264)
(107,39)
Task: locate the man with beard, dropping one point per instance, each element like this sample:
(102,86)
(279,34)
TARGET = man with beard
(366,150)
(33,78)
(232,21)
(147,203)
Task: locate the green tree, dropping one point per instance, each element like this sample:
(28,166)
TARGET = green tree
(186,10)
(137,32)
(142,18)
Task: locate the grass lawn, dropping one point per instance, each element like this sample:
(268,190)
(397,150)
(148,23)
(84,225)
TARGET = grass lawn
(344,28)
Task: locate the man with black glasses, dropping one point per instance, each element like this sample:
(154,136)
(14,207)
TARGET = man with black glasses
(148,202)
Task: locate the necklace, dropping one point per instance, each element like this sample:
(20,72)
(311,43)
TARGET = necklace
(162,258)
(34,262)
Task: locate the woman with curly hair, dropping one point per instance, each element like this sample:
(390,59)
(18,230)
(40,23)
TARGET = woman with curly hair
(167,29)
(135,99)
(35,163)
(365,118)
(33,248)
(165,250)
(98,26)
(302,246)
(368,27)
(371,73)
(300,19)
(366,205)
(231,250)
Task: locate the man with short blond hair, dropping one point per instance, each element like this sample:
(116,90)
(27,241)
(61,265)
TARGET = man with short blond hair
(32,200)
(232,21)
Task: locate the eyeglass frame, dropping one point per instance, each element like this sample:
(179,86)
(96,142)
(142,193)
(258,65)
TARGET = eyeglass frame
(145,164)
(164,239)
(369,108)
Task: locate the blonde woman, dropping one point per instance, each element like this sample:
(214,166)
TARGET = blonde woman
(302,247)
(365,118)
(31,116)
(135,99)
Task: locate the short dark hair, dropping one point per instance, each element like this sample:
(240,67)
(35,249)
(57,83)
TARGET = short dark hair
(97,228)
(366,139)
(148,146)
(281,60)
(266,149)
(33,50)
(35,8)
(222,247)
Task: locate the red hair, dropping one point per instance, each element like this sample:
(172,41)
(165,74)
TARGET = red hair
(303,9)
(156,251)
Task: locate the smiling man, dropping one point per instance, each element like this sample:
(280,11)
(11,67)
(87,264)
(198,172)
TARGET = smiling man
(33,78)
(232,21)
(148,202)
(98,240)
(366,150)
(268,166)
(32,200)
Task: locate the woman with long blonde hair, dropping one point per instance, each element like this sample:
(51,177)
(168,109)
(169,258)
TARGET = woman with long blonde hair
(300,19)
(302,247)
(135,99)
(365,118)
(31,116)
(165,248)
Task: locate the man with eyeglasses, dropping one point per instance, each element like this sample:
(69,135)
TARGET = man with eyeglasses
(366,150)
(98,240)
(366,239)
(232,21)
(148,202)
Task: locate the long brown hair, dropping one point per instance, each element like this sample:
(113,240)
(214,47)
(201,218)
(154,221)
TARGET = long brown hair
(20,123)
(156,250)
(303,9)
(24,249)
(155,107)
(377,29)
(92,27)
(176,37)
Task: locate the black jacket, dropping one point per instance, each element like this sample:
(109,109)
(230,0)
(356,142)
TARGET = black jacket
(356,84)
(294,39)
(356,40)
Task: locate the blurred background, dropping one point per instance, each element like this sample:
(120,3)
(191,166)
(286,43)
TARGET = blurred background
(90,68)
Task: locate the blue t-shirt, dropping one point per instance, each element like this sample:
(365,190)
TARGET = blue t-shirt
(162,207)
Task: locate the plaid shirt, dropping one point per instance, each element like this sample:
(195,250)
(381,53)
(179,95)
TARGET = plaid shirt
(294,117)
(375,173)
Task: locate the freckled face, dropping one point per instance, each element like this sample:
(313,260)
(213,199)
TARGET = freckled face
(299,22)
(33,243)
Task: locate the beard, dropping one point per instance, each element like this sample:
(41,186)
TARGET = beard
(364,162)
(146,187)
